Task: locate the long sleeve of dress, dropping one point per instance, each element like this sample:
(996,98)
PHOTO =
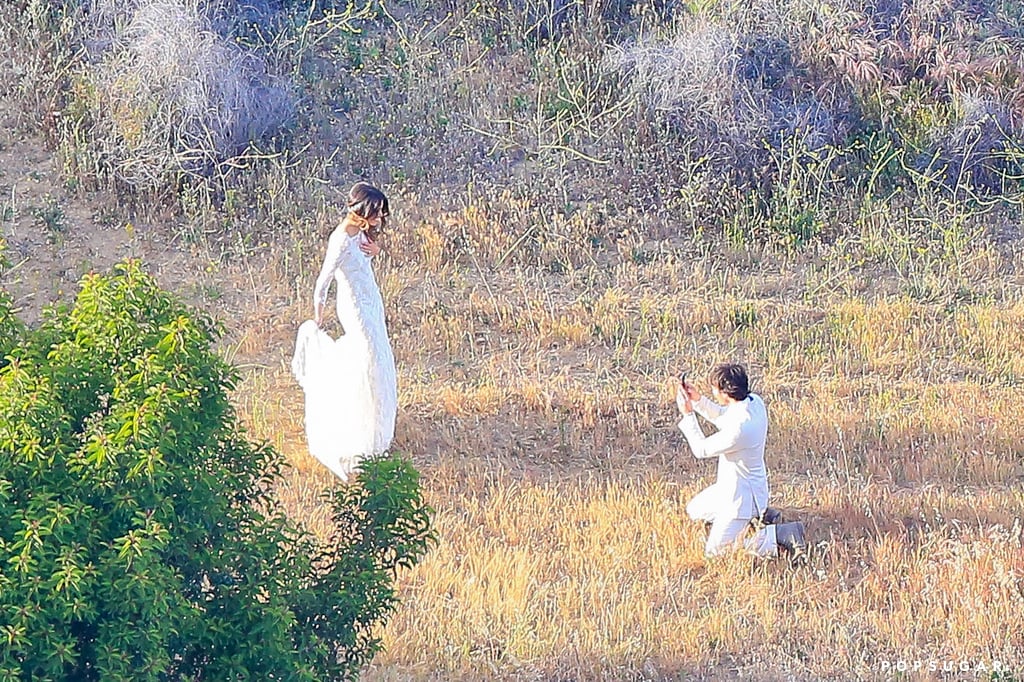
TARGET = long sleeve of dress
(330,264)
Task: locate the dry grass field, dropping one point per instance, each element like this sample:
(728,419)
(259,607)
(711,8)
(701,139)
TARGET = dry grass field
(534,340)
(536,407)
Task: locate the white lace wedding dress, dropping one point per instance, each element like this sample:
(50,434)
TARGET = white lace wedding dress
(349,382)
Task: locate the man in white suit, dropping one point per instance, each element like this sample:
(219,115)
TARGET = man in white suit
(740,492)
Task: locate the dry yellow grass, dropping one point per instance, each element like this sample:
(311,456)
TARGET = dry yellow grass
(536,407)
(534,342)
(535,404)
(533,399)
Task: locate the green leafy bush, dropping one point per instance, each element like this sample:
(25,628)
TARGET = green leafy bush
(10,326)
(140,539)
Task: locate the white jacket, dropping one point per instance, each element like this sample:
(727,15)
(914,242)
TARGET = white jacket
(739,445)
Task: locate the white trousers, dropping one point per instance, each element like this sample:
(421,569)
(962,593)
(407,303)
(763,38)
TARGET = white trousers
(727,529)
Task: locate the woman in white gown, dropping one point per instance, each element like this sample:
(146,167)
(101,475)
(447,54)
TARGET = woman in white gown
(349,383)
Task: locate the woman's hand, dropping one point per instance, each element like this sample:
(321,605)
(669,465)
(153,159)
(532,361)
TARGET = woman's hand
(369,248)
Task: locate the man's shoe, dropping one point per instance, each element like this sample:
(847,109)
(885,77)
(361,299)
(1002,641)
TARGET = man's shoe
(790,538)
(769,517)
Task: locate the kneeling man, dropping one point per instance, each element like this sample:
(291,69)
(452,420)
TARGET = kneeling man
(740,493)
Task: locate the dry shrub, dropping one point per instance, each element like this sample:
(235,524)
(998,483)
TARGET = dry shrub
(694,82)
(534,22)
(736,98)
(733,81)
(945,78)
(167,95)
(978,150)
(35,53)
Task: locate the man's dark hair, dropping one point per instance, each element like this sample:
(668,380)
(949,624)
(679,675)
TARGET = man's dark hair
(731,380)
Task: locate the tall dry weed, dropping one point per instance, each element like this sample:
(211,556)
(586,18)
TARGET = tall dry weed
(167,95)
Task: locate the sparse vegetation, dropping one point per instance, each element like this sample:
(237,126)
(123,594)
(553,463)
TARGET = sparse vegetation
(588,198)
